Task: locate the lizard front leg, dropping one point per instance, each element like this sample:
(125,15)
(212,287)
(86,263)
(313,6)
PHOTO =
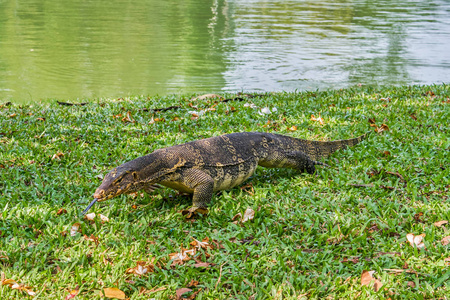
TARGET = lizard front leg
(202,184)
(192,181)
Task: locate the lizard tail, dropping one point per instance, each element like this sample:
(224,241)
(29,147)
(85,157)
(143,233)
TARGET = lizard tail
(319,149)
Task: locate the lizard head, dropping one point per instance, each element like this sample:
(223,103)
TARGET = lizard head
(117,182)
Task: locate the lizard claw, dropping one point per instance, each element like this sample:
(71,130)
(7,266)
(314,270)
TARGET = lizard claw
(191,212)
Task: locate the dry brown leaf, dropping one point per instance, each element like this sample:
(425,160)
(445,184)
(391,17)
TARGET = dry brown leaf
(203,265)
(75,229)
(237,217)
(193,283)
(72,294)
(16,286)
(57,155)
(366,279)
(447,261)
(203,244)
(13,115)
(103,218)
(40,119)
(445,241)
(90,217)
(292,128)
(248,215)
(372,121)
(142,268)
(61,211)
(440,223)
(416,240)
(92,238)
(411,284)
(128,118)
(380,129)
(182,291)
(318,119)
(180,257)
(113,293)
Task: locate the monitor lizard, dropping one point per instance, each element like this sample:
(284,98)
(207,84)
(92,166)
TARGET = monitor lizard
(205,166)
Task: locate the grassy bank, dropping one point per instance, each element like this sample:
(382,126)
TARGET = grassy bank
(311,236)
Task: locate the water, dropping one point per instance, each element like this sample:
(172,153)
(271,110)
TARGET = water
(87,49)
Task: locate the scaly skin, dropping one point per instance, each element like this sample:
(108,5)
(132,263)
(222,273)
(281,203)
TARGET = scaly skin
(205,166)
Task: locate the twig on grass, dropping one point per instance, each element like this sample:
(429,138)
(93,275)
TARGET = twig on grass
(173,107)
(371,186)
(71,104)
(220,275)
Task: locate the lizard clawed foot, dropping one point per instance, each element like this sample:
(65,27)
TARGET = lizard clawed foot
(191,212)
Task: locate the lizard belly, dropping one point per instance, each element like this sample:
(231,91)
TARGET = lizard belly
(176,185)
(228,177)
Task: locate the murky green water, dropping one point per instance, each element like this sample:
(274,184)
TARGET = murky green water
(93,48)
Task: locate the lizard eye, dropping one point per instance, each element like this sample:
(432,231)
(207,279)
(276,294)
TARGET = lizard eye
(135,175)
(118,180)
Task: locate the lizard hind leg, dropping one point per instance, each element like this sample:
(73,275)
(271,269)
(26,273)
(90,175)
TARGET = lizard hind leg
(300,161)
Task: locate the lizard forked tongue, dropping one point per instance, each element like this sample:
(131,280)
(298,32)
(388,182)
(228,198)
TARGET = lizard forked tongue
(89,206)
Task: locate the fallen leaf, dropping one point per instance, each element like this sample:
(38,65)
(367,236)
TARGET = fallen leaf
(413,116)
(128,118)
(182,291)
(203,265)
(114,293)
(265,110)
(416,240)
(203,244)
(440,223)
(366,279)
(61,211)
(418,216)
(180,257)
(193,283)
(372,121)
(74,229)
(318,119)
(445,241)
(16,286)
(103,218)
(90,217)
(72,294)
(411,284)
(92,238)
(431,94)
(380,129)
(57,155)
(248,215)
(13,115)
(40,119)
(236,217)
(292,128)
(387,153)
(142,268)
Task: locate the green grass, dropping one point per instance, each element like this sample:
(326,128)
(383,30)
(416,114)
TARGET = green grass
(311,237)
